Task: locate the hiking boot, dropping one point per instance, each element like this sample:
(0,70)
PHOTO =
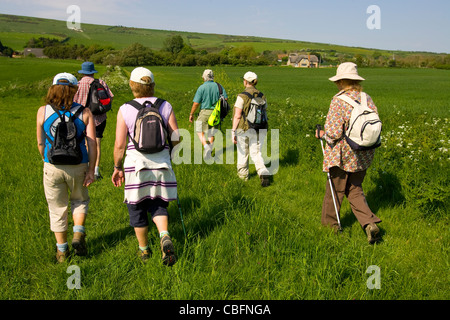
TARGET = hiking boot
(144,254)
(265,182)
(79,243)
(372,232)
(168,252)
(62,256)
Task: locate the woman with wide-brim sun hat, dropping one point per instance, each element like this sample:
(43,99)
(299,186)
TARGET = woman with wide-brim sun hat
(347,167)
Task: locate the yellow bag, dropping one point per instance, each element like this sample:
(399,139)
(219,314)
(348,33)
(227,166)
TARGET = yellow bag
(214,118)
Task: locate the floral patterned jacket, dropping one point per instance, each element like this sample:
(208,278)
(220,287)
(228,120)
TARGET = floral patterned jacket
(337,151)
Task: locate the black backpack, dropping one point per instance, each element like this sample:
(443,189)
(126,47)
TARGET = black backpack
(65,147)
(150,131)
(98,99)
(257,111)
(224,106)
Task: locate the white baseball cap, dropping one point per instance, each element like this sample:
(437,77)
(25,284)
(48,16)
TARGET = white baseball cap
(250,76)
(347,70)
(65,76)
(138,73)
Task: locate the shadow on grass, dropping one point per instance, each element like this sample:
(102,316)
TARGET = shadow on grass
(387,193)
(109,240)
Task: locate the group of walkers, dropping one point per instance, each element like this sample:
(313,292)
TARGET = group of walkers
(148,178)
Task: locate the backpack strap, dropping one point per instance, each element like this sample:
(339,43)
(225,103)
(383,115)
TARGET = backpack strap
(158,103)
(78,112)
(251,96)
(220,88)
(355,103)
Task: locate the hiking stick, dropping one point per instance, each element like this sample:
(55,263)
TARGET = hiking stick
(178,198)
(318,128)
(181,215)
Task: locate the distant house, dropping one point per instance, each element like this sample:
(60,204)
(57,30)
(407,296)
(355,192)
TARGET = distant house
(37,52)
(303,60)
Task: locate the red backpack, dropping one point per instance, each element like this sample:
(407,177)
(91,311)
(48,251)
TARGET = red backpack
(98,100)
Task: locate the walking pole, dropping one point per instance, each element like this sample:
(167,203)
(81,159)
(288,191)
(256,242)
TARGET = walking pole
(181,215)
(318,128)
(178,198)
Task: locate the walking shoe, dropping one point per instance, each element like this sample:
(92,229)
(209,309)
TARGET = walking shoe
(207,153)
(62,256)
(168,252)
(372,232)
(144,254)
(265,182)
(79,243)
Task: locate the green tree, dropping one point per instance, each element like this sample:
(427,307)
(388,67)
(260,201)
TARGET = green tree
(173,44)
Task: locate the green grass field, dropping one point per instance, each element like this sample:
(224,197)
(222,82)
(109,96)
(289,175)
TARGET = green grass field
(244,242)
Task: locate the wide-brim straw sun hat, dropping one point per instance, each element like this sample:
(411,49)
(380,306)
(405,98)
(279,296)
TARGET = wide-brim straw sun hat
(347,70)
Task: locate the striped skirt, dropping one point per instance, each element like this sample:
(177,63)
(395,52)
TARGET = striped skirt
(148,179)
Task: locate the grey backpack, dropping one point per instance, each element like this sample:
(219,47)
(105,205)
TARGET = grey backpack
(150,131)
(257,112)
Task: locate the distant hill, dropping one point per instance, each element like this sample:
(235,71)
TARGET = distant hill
(16,31)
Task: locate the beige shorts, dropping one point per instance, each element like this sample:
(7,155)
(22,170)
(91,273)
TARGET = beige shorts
(201,124)
(64,183)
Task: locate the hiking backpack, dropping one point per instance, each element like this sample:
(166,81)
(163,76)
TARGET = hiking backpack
(364,128)
(65,146)
(221,109)
(98,99)
(224,106)
(257,112)
(150,131)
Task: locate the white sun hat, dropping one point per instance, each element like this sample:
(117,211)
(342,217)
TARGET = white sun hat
(138,73)
(347,70)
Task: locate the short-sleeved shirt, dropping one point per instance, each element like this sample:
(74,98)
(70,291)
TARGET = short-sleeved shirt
(83,92)
(208,94)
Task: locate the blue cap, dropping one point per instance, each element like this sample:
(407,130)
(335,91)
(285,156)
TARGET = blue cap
(87,68)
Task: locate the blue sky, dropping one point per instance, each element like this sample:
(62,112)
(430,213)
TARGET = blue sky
(410,25)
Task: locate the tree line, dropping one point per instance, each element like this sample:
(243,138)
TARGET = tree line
(176,52)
